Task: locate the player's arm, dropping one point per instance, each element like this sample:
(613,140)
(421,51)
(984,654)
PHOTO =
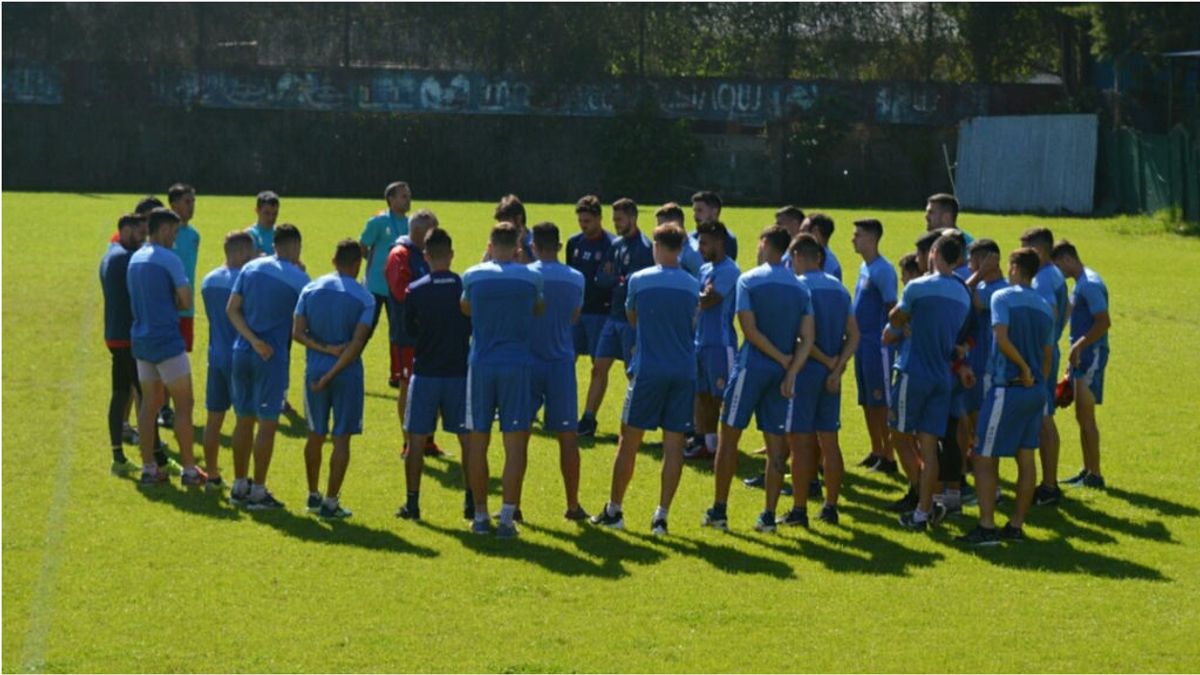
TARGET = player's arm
(1097,331)
(183,297)
(804,341)
(1009,350)
(849,345)
(233,310)
(347,356)
(709,297)
(761,343)
(300,334)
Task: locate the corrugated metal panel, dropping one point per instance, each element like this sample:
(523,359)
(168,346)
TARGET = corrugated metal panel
(1036,163)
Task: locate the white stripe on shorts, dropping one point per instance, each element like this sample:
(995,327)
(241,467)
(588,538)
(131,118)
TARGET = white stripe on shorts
(885,362)
(628,400)
(902,404)
(993,425)
(468,417)
(412,381)
(735,401)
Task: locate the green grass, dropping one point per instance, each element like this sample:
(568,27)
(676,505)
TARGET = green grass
(101,576)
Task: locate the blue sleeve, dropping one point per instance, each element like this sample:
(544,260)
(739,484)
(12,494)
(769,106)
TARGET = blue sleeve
(907,297)
(367,316)
(175,267)
(539,286)
(1095,297)
(632,285)
(808,305)
(886,283)
(466,284)
(726,281)
(742,301)
(370,233)
(999,310)
(302,304)
(237,283)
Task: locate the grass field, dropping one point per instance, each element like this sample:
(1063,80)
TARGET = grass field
(101,576)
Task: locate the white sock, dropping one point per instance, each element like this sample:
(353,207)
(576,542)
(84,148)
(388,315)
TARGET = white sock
(506,513)
(151,468)
(315,494)
(240,485)
(952,499)
(612,509)
(258,492)
(331,503)
(481,516)
(710,441)
(189,471)
(660,514)
(920,516)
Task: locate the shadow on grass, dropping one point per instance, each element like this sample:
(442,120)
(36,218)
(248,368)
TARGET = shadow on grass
(1059,556)
(549,558)
(721,556)
(195,501)
(448,473)
(339,533)
(603,543)
(1162,506)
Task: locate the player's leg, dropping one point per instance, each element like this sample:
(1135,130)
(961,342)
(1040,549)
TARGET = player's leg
(928,446)
(480,399)
(726,461)
(742,393)
(152,396)
(597,386)
(420,417)
(313,445)
(672,471)
(1026,478)
(1089,432)
(217,399)
(776,467)
(986,479)
(346,393)
(568,464)
(124,374)
(339,461)
(513,394)
(831,453)
(623,465)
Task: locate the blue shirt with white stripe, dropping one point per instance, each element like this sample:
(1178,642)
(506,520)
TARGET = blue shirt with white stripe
(502,298)
(269,287)
(1089,298)
(665,299)
(1030,328)
(215,290)
(831,307)
(153,275)
(981,351)
(715,327)
(562,287)
(334,306)
(779,303)
(938,306)
(874,291)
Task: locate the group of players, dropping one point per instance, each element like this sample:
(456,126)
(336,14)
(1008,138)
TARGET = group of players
(953,373)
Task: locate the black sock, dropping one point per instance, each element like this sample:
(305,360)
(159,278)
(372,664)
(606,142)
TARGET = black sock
(469,500)
(414,500)
(160,458)
(119,455)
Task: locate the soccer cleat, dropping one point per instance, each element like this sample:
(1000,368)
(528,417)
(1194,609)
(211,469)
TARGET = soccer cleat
(336,513)
(829,514)
(506,531)
(909,522)
(797,517)
(1093,481)
(266,503)
(765,522)
(887,467)
(698,453)
(1076,479)
(616,522)
(152,479)
(1010,533)
(658,527)
(906,503)
(411,514)
(481,526)
(576,514)
(214,485)
(172,467)
(716,520)
(756,482)
(587,427)
(194,478)
(239,498)
(314,502)
(870,461)
(166,417)
(980,536)
(124,467)
(129,435)
(1047,496)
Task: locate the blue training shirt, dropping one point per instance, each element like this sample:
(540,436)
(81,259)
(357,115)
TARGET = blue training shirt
(587,256)
(187,247)
(215,290)
(831,307)
(691,261)
(334,305)
(118,314)
(1052,286)
(154,274)
(264,238)
(443,333)
(665,299)
(730,243)
(779,303)
(938,307)
(981,351)
(1030,328)
(379,235)
(874,291)
(562,287)
(502,297)
(1089,298)
(269,287)
(627,255)
(715,327)
(832,266)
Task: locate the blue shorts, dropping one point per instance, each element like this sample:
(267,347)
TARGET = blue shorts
(586,333)
(553,385)
(873,372)
(1052,382)
(428,396)
(973,398)
(814,408)
(755,392)
(259,387)
(1090,372)
(343,397)
(218,389)
(616,341)
(714,365)
(498,388)
(1011,419)
(658,401)
(920,405)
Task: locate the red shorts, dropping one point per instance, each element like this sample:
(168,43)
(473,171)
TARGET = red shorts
(405,367)
(185,327)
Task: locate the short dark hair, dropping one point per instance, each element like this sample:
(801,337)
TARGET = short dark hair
(626,205)
(793,212)
(1038,237)
(238,239)
(870,226)
(908,263)
(821,223)
(504,234)
(545,235)
(806,246)
(1064,248)
(147,204)
(131,220)
(285,233)
(708,197)
(1027,261)
(392,187)
(438,244)
(670,236)
(160,215)
(946,201)
(960,239)
(348,253)
(776,237)
(713,227)
(669,211)
(509,208)
(949,248)
(925,241)
(266,197)
(984,246)
(178,191)
(588,204)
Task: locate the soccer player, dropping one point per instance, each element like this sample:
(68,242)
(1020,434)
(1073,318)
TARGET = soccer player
(689,259)
(815,410)
(118,320)
(266,206)
(511,210)
(874,298)
(790,218)
(821,226)
(501,296)
(661,305)
(439,376)
(552,346)
(716,340)
(1052,286)
(406,263)
(909,267)
(182,198)
(378,236)
(706,206)
(1088,356)
(333,320)
(986,278)
(218,397)
(628,255)
(158,289)
(1010,421)
(952,447)
(934,307)
(260,309)
(775,313)
(941,213)
(586,252)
